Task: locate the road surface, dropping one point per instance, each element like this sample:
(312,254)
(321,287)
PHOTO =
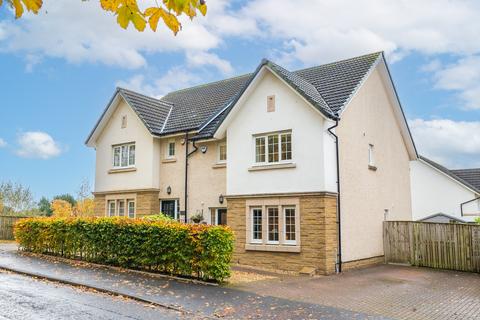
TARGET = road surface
(27,298)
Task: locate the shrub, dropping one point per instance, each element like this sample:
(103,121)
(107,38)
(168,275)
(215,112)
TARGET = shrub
(170,247)
(158,217)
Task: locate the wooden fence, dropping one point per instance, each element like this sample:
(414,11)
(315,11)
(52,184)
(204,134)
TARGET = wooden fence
(6,226)
(436,245)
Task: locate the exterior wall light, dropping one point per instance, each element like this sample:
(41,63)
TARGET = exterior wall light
(203,149)
(169,190)
(220,198)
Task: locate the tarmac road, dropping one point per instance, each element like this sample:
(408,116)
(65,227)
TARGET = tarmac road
(27,298)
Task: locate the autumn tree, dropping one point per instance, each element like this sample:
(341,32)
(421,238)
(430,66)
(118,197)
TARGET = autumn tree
(128,11)
(61,208)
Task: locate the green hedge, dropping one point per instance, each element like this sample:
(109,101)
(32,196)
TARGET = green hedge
(170,247)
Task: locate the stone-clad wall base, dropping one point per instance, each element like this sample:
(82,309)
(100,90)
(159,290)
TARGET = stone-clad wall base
(318,235)
(99,205)
(146,202)
(362,263)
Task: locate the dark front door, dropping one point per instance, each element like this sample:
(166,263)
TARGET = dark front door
(221,216)
(168,208)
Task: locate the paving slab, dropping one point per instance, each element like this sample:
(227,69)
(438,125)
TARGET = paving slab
(198,299)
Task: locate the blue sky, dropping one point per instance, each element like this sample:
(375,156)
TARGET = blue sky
(60,69)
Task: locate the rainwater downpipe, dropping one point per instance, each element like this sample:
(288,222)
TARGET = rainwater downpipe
(187,155)
(339,211)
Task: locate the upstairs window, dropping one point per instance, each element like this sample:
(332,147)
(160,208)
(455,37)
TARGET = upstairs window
(171,149)
(371,158)
(124,155)
(273,148)
(222,152)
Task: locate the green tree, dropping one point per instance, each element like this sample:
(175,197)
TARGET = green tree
(44,207)
(66,197)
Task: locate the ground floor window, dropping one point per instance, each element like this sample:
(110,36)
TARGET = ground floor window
(170,207)
(274,224)
(131,209)
(121,208)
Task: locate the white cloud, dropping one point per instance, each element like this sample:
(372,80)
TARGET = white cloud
(455,144)
(204,59)
(3,143)
(175,78)
(80,31)
(37,144)
(318,31)
(462,77)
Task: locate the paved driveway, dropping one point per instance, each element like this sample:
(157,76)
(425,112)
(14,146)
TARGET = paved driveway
(398,292)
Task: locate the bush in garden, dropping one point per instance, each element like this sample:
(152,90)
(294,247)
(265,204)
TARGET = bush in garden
(158,217)
(163,246)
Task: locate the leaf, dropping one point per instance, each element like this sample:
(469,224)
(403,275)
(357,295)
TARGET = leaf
(110,5)
(203,9)
(129,12)
(169,19)
(17,5)
(33,5)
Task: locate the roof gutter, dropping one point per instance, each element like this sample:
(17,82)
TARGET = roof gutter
(338,266)
(464,203)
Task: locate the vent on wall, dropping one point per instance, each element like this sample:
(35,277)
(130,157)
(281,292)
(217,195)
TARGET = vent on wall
(124,122)
(271,103)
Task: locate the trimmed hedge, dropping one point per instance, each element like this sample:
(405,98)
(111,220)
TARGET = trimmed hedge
(170,247)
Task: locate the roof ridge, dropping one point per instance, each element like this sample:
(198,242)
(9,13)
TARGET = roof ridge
(144,95)
(267,60)
(339,61)
(208,83)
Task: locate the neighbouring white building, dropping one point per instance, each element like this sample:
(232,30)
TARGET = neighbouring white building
(437,190)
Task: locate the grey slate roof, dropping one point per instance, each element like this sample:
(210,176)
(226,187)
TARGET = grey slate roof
(153,112)
(472,176)
(441,218)
(328,87)
(451,173)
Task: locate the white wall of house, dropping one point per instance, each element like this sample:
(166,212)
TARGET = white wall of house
(147,153)
(435,192)
(365,193)
(309,142)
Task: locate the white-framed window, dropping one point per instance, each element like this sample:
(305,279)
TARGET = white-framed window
(273,223)
(171,149)
(257,229)
(273,148)
(222,152)
(121,208)
(124,155)
(131,208)
(371,155)
(111,208)
(289,225)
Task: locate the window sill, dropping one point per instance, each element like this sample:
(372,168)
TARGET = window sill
(219,165)
(273,166)
(373,168)
(121,170)
(169,160)
(272,248)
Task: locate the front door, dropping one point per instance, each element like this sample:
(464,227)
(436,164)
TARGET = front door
(168,208)
(221,217)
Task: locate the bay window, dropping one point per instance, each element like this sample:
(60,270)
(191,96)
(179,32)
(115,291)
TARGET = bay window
(124,155)
(273,148)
